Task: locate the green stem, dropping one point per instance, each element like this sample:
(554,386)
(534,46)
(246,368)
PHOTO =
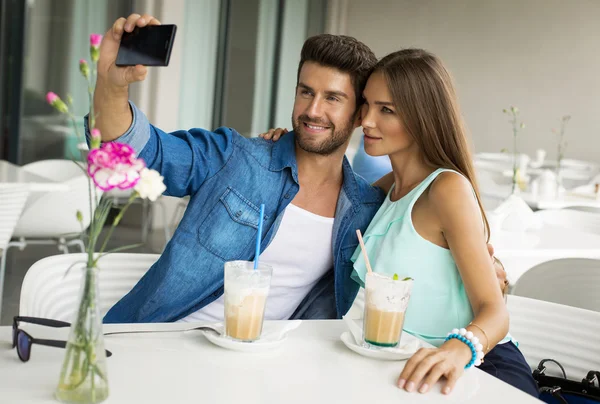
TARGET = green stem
(90,245)
(116,221)
(84,343)
(74,122)
(99,372)
(96,228)
(80,328)
(92,117)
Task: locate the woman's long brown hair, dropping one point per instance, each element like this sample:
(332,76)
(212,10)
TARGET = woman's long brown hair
(425,99)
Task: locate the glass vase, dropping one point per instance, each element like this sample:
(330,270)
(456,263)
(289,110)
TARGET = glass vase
(83,378)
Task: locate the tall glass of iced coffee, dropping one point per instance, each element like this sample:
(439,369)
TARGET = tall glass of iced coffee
(386,300)
(246,291)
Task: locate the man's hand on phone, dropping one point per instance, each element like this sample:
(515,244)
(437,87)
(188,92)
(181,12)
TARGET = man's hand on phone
(108,71)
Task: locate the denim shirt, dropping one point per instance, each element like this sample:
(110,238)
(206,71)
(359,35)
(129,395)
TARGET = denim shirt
(227,177)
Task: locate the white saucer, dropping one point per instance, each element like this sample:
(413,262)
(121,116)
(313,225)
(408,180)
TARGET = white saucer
(274,334)
(255,346)
(405,351)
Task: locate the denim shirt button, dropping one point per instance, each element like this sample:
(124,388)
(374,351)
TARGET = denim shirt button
(238,213)
(287,196)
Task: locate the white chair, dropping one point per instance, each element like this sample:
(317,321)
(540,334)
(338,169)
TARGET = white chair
(570,219)
(549,330)
(569,281)
(46,292)
(50,217)
(12,201)
(55,169)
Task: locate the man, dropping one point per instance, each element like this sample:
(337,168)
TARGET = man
(313,200)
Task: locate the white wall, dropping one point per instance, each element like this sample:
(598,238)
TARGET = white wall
(293,37)
(198,67)
(540,55)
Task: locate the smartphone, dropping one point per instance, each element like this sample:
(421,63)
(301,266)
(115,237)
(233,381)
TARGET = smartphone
(148,46)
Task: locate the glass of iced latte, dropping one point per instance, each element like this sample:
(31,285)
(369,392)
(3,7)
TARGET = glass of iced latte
(246,291)
(386,300)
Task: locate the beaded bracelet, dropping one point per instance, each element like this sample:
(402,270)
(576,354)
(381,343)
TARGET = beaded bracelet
(472,342)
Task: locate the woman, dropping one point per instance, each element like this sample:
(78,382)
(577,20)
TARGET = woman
(432,226)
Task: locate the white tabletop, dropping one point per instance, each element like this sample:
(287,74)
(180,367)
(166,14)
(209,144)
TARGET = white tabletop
(520,251)
(566,200)
(13,174)
(313,366)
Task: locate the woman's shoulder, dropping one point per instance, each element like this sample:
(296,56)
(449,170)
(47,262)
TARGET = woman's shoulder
(449,190)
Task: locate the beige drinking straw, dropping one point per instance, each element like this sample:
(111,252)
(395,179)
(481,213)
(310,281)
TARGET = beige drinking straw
(364,251)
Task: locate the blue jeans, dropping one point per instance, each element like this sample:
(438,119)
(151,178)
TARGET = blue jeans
(507,363)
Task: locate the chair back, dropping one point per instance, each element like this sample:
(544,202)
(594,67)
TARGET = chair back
(12,201)
(568,281)
(55,170)
(47,292)
(549,330)
(54,214)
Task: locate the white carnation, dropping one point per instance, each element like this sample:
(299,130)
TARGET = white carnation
(150,186)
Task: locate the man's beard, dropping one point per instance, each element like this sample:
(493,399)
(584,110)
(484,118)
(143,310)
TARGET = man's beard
(330,144)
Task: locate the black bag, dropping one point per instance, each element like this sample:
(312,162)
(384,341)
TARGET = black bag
(560,390)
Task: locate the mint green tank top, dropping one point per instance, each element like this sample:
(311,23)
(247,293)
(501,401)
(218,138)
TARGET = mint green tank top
(438,301)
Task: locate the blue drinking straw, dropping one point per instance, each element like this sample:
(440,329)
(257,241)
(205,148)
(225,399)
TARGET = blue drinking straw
(258,235)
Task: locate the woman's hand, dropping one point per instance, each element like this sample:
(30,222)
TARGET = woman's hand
(500,270)
(426,367)
(274,134)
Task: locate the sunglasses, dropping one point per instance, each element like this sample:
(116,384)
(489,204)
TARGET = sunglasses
(23,341)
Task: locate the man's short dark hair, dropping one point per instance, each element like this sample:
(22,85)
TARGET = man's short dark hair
(344,53)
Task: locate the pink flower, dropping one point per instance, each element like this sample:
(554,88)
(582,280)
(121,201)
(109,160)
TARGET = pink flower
(114,165)
(84,68)
(96,139)
(55,101)
(51,97)
(95,40)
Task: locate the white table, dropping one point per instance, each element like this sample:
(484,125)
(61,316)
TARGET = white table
(13,174)
(313,366)
(520,251)
(566,200)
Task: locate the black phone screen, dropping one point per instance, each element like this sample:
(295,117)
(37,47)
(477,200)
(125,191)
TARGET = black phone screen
(148,46)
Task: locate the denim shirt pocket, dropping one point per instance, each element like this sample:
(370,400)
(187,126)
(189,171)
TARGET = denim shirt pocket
(230,228)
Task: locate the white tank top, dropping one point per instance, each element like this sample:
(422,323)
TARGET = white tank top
(300,253)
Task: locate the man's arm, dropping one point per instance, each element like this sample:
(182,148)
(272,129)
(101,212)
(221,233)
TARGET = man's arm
(111,107)
(184,158)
